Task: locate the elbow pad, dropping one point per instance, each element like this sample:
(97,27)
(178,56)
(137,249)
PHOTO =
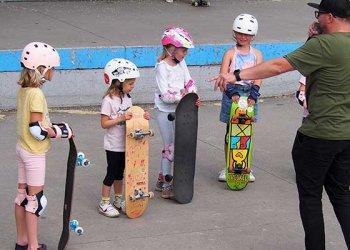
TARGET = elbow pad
(38,131)
(62,130)
(170,97)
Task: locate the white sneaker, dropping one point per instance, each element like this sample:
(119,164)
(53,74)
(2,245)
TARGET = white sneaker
(107,209)
(169,1)
(222,175)
(251,176)
(119,204)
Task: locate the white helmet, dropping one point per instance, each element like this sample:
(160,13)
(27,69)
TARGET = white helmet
(37,54)
(120,69)
(246,24)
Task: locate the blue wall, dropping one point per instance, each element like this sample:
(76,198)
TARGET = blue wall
(95,58)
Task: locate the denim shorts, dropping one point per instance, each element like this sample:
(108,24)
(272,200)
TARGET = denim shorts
(226,103)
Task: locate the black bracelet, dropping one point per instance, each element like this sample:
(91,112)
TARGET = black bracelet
(236,73)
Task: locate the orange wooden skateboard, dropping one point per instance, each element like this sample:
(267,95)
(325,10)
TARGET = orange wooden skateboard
(136,163)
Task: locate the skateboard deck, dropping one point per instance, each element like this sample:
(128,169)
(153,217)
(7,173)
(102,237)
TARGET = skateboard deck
(68,194)
(200,3)
(186,127)
(239,152)
(136,163)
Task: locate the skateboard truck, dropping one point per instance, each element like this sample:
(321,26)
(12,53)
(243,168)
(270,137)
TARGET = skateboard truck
(74,227)
(139,134)
(139,194)
(239,170)
(82,161)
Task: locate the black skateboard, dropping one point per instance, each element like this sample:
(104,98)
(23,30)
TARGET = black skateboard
(68,194)
(186,126)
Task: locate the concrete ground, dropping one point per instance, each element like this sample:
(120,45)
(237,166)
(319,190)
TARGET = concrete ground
(264,216)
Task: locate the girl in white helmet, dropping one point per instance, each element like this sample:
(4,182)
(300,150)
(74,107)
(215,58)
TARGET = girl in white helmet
(241,56)
(120,75)
(173,82)
(34,131)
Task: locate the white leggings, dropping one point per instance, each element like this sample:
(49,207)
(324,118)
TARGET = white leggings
(167,130)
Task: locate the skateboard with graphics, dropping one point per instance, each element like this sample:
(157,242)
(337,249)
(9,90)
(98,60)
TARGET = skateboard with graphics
(68,195)
(239,151)
(186,127)
(136,163)
(200,3)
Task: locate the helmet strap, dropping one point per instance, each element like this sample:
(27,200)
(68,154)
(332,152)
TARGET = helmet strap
(172,55)
(42,75)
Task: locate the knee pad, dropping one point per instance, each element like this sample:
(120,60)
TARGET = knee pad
(168,152)
(36,203)
(21,199)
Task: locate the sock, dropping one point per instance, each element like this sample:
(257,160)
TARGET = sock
(118,197)
(104,200)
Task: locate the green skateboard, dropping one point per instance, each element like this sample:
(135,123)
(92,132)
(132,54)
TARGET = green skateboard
(239,151)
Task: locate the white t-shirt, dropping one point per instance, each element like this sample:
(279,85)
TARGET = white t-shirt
(172,79)
(114,139)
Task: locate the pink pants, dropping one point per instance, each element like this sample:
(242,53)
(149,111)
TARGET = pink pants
(31,167)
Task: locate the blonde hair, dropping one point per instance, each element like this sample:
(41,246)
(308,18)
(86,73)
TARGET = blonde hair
(164,52)
(29,78)
(113,89)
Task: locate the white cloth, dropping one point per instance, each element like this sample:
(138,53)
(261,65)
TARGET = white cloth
(114,138)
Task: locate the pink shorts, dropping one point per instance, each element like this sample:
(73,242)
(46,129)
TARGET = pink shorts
(31,167)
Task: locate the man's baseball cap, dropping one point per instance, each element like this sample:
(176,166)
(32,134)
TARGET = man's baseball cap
(339,8)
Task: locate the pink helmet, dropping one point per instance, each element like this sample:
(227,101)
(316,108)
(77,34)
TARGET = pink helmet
(37,54)
(178,37)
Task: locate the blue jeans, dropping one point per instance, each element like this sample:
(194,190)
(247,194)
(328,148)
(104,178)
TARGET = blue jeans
(322,163)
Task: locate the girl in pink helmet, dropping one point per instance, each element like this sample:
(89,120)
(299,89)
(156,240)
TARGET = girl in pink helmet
(34,131)
(173,82)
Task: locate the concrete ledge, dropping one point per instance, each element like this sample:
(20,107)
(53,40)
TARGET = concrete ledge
(80,79)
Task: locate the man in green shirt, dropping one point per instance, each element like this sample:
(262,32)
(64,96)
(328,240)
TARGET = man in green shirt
(321,150)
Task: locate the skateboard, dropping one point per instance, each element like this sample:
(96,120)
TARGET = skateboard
(136,163)
(200,3)
(186,127)
(68,194)
(239,151)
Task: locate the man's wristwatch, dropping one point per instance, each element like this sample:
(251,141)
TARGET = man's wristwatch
(236,73)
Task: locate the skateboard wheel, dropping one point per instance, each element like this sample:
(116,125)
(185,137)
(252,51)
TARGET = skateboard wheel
(79,231)
(132,135)
(195,4)
(81,155)
(151,195)
(85,163)
(171,117)
(151,132)
(132,198)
